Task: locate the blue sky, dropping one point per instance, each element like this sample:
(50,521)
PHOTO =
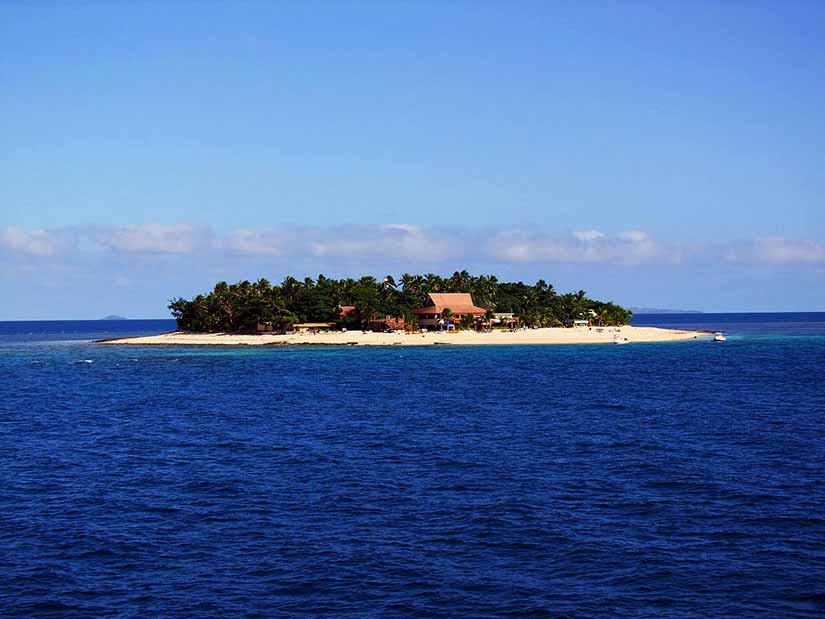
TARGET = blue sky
(654,153)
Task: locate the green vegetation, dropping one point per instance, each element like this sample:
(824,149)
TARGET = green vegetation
(239,307)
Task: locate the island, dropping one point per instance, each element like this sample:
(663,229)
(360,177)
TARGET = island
(413,310)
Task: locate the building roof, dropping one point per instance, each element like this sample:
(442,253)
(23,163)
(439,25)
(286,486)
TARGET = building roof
(313,325)
(459,303)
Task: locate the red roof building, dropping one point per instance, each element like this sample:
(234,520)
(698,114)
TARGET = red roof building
(346,310)
(459,303)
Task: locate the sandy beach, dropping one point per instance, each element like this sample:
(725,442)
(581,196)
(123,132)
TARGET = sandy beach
(592,335)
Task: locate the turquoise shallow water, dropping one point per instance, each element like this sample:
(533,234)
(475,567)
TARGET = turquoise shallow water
(678,480)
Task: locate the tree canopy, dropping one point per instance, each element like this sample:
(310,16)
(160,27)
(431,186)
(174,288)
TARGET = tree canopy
(241,306)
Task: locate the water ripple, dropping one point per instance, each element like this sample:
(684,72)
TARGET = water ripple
(655,481)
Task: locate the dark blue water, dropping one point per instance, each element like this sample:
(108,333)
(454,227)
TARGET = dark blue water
(651,480)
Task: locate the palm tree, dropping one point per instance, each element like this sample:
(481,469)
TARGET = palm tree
(241,305)
(446,315)
(413,287)
(433,283)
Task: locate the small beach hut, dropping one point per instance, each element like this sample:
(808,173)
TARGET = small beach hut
(507,319)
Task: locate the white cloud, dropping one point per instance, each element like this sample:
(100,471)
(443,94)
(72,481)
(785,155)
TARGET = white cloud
(254,242)
(392,241)
(32,243)
(589,246)
(377,246)
(589,235)
(347,243)
(149,238)
(409,228)
(635,236)
(785,251)
(777,250)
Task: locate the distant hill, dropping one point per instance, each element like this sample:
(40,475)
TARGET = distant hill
(114,317)
(656,310)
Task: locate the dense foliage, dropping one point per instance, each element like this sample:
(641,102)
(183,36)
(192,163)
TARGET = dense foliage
(239,307)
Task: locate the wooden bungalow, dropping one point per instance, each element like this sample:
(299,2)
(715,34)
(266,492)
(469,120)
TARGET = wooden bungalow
(459,303)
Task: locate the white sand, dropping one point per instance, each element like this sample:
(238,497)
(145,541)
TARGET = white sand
(580,335)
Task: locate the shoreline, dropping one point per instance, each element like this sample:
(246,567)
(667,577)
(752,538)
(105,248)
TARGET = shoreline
(549,335)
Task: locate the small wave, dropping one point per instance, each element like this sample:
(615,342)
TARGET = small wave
(84,361)
(98,553)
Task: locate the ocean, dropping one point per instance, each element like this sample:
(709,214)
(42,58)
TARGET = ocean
(680,479)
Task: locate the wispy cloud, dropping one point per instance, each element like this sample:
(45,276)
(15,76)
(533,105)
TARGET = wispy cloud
(151,238)
(588,235)
(778,251)
(252,242)
(587,246)
(348,243)
(30,243)
(391,241)
(397,244)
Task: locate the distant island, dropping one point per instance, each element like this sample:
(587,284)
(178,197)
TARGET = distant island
(656,310)
(114,317)
(459,302)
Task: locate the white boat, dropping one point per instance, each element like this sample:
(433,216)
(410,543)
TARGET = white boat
(617,340)
(719,336)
